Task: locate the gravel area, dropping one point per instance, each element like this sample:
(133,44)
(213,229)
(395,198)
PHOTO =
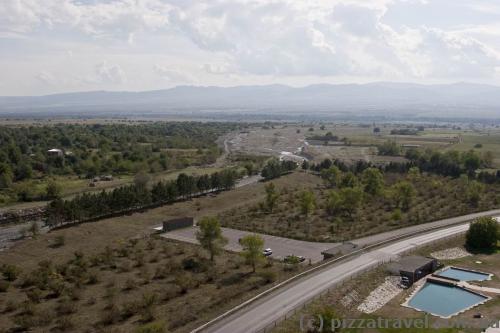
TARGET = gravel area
(381,295)
(451,253)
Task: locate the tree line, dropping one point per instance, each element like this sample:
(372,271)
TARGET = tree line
(449,164)
(276,168)
(139,195)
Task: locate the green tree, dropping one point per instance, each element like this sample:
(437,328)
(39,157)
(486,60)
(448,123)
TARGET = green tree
(210,236)
(271,196)
(307,202)
(373,181)
(414,173)
(349,180)
(333,203)
(483,234)
(472,161)
(403,194)
(6,176)
(473,192)
(331,176)
(141,180)
(352,197)
(53,190)
(253,245)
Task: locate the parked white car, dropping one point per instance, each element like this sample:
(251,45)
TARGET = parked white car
(267,252)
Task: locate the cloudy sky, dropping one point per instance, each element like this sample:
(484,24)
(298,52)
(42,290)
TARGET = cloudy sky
(54,46)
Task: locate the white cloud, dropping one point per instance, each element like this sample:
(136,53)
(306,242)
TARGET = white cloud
(46,77)
(238,41)
(173,75)
(110,73)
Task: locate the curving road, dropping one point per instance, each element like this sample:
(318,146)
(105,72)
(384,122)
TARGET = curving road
(270,308)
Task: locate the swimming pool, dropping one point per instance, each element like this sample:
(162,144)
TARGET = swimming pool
(444,300)
(464,275)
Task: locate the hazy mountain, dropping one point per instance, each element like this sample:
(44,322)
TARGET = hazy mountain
(376,98)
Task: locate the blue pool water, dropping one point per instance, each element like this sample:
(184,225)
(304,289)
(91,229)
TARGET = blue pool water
(463,275)
(444,301)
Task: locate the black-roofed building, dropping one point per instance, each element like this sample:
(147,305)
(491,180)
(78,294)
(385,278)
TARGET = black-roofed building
(413,268)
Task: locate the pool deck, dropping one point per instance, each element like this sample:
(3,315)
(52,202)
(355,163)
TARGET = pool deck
(489,275)
(487,290)
(451,282)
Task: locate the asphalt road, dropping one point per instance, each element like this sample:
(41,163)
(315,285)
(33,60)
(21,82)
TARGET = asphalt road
(266,310)
(275,305)
(281,246)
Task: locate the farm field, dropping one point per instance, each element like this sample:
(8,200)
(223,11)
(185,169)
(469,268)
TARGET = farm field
(361,140)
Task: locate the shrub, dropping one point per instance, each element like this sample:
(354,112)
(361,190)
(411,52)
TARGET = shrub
(110,315)
(156,327)
(65,323)
(66,307)
(10,272)
(34,295)
(59,241)
(268,277)
(92,278)
(4,285)
(128,309)
(10,306)
(129,284)
(483,234)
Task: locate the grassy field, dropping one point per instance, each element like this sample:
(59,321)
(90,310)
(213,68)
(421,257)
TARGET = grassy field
(359,288)
(436,198)
(130,284)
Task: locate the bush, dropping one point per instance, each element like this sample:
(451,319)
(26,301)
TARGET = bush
(65,323)
(483,234)
(58,241)
(156,327)
(4,285)
(268,276)
(10,272)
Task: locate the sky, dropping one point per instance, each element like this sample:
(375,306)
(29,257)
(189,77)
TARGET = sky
(55,46)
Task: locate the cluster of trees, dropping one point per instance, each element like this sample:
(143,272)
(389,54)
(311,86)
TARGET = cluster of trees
(451,163)
(276,168)
(138,195)
(483,234)
(406,131)
(211,239)
(329,136)
(349,190)
(389,148)
(95,149)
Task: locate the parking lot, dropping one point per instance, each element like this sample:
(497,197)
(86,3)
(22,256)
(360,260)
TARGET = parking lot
(280,246)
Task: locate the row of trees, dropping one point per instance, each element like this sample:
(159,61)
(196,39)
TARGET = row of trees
(450,164)
(276,168)
(94,205)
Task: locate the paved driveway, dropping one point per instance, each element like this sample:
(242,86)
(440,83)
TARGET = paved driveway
(281,246)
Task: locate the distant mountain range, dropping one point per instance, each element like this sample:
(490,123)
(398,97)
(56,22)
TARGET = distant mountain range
(381,98)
